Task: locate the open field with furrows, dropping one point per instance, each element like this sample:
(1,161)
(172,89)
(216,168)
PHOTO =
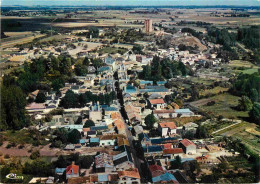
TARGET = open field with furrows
(182,120)
(247,133)
(224,105)
(238,66)
(20,41)
(215,90)
(125,18)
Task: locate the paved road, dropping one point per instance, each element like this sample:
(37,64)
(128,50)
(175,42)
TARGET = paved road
(128,133)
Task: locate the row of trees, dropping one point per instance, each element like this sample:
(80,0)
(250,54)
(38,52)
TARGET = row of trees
(249,36)
(163,69)
(222,37)
(72,100)
(248,87)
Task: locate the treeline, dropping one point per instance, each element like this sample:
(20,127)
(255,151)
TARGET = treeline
(194,33)
(248,87)
(197,23)
(43,74)
(92,31)
(40,168)
(72,100)
(250,37)
(161,69)
(222,37)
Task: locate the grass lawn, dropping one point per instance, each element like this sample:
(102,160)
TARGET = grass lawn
(55,37)
(215,90)
(111,50)
(250,71)
(201,80)
(238,66)
(182,120)
(224,106)
(24,137)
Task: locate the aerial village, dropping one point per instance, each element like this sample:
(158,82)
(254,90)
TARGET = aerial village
(127,124)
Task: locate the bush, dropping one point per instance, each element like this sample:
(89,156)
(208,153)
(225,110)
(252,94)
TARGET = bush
(35,155)
(211,103)
(89,123)
(7,156)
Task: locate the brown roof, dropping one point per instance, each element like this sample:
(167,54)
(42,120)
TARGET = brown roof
(115,115)
(170,125)
(119,124)
(187,142)
(157,101)
(122,141)
(129,173)
(111,136)
(173,151)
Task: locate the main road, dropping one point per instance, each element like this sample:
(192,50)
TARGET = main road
(123,114)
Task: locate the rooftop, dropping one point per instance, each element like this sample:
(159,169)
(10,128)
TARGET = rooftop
(170,125)
(187,142)
(157,101)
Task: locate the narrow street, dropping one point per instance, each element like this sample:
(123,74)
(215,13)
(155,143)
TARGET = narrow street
(123,114)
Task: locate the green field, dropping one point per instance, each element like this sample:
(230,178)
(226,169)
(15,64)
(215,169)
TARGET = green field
(51,38)
(215,90)
(24,137)
(112,50)
(250,71)
(224,106)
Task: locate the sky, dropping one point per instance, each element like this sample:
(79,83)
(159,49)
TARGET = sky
(131,2)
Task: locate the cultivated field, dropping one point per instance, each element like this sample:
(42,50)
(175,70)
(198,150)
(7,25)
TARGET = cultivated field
(224,105)
(19,41)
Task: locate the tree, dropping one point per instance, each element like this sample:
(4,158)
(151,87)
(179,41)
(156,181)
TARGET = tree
(254,113)
(38,168)
(57,84)
(194,93)
(74,136)
(176,164)
(35,155)
(245,104)
(86,161)
(70,100)
(137,49)
(150,120)
(40,98)
(13,114)
(89,123)
(94,31)
(201,132)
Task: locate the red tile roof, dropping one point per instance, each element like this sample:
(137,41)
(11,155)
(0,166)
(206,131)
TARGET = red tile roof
(173,151)
(187,142)
(72,167)
(157,101)
(35,106)
(170,125)
(130,173)
(155,168)
(167,146)
(119,124)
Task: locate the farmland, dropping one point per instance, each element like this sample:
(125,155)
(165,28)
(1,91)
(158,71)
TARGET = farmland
(224,105)
(18,40)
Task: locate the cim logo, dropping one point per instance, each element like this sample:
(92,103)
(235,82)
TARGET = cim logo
(14,177)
